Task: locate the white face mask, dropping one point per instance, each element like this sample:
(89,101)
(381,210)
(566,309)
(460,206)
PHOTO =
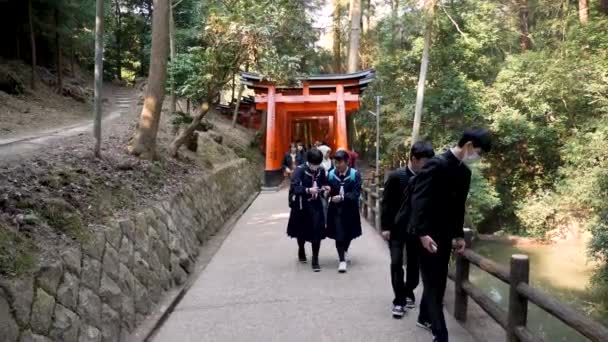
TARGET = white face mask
(471,157)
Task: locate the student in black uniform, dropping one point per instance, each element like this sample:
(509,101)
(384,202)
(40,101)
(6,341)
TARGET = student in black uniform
(306,219)
(343,220)
(393,197)
(437,217)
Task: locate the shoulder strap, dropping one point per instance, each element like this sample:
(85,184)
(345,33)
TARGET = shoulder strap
(352,174)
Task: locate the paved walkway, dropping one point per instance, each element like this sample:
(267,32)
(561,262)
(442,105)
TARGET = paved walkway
(255,290)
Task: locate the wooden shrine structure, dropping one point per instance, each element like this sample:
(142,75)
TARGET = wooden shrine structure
(315,109)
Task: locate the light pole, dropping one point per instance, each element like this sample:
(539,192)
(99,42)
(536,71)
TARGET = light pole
(377,115)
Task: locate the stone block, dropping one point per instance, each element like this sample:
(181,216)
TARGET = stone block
(141,240)
(128,228)
(42,312)
(67,294)
(72,259)
(114,234)
(128,313)
(126,280)
(49,275)
(89,334)
(95,245)
(141,269)
(110,262)
(91,273)
(66,325)
(29,336)
(9,330)
(110,292)
(110,324)
(178,274)
(126,252)
(165,278)
(143,304)
(89,307)
(20,293)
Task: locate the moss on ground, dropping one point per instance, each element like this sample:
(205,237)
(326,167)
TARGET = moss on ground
(63,217)
(16,253)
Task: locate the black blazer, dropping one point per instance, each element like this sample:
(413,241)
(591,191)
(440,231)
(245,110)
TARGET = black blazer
(394,188)
(287,161)
(439,197)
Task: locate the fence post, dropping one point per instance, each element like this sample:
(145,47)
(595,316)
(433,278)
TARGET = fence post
(364,200)
(518,304)
(372,201)
(378,208)
(461,300)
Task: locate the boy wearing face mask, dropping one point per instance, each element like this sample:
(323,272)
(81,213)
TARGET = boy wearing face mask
(307,219)
(437,217)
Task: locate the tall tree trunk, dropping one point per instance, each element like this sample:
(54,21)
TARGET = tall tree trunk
(355,35)
(523,14)
(118,41)
(58,54)
(98,75)
(235,114)
(337,36)
(604,6)
(368,15)
(173,56)
(33,42)
(583,11)
(72,57)
(144,139)
(424,65)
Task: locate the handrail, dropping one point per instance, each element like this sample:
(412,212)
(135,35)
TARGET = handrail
(513,320)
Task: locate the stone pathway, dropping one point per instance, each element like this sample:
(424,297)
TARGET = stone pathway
(255,290)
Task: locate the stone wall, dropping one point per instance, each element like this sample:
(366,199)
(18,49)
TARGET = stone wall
(104,288)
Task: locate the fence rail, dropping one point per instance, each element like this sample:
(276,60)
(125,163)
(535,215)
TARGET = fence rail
(516,275)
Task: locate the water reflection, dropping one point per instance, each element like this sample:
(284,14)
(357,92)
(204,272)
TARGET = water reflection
(560,270)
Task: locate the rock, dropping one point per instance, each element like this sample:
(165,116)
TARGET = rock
(177,272)
(67,294)
(126,254)
(110,324)
(10,82)
(110,292)
(141,239)
(126,165)
(165,279)
(110,262)
(163,252)
(65,326)
(28,336)
(216,137)
(126,280)
(42,312)
(31,219)
(143,304)
(89,334)
(94,247)
(89,308)
(72,259)
(9,330)
(128,312)
(141,269)
(21,293)
(50,274)
(128,228)
(91,273)
(114,235)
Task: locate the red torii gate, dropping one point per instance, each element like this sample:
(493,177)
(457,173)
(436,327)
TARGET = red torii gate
(314,110)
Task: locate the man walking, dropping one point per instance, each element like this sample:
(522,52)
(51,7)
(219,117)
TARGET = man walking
(437,217)
(393,197)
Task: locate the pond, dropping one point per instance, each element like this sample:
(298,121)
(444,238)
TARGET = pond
(561,270)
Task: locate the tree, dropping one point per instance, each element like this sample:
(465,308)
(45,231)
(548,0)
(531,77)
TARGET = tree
(118,36)
(583,11)
(173,53)
(144,139)
(337,36)
(98,75)
(429,5)
(58,53)
(604,6)
(355,35)
(32,41)
(523,14)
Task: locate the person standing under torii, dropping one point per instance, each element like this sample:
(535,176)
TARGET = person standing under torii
(437,218)
(343,220)
(306,218)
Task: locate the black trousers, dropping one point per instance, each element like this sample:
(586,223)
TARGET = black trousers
(434,270)
(405,289)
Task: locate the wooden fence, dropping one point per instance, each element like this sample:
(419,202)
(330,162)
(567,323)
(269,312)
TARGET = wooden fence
(516,275)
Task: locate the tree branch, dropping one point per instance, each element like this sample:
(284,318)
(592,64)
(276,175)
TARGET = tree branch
(455,24)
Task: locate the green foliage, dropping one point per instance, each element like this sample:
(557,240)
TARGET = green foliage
(16,253)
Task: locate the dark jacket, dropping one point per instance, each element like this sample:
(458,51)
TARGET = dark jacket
(439,197)
(288,161)
(392,198)
(343,218)
(306,219)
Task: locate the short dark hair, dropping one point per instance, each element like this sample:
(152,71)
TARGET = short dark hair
(341,156)
(314,156)
(481,138)
(422,149)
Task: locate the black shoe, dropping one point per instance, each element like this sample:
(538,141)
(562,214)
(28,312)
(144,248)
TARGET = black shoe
(398,311)
(410,303)
(302,255)
(315,266)
(424,325)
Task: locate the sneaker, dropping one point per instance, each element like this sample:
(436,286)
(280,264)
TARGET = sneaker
(342,267)
(398,311)
(424,325)
(315,266)
(302,256)
(410,303)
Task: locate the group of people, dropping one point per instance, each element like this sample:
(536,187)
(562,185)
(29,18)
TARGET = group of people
(324,200)
(422,215)
(423,212)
